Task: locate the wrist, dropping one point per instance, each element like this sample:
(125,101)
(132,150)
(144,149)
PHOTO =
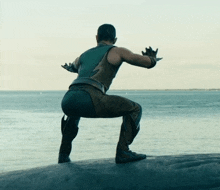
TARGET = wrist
(74,70)
(153,62)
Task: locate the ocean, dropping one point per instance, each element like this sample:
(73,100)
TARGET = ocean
(173,122)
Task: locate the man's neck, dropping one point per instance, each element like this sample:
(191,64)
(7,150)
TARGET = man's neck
(105,42)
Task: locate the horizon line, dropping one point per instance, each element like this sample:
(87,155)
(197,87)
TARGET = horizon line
(187,89)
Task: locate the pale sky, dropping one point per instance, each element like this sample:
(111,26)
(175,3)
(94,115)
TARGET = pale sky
(38,36)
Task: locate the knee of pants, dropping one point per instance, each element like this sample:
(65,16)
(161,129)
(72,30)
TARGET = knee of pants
(137,114)
(138,109)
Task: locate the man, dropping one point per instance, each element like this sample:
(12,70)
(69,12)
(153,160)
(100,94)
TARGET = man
(87,96)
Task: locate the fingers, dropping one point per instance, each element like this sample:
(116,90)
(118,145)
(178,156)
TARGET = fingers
(65,66)
(151,52)
(155,52)
(148,51)
(158,59)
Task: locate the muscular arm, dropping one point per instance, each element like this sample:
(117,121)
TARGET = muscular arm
(134,59)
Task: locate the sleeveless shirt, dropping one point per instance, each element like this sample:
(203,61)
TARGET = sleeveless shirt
(94,68)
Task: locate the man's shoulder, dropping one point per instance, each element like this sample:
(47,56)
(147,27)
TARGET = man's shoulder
(119,49)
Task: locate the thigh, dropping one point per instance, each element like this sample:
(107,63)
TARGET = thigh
(87,101)
(115,106)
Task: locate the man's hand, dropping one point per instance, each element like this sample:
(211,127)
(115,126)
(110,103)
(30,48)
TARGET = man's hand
(150,52)
(70,67)
(152,55)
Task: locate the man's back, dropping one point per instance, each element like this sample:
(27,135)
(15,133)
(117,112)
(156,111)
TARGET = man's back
(90,59)
(95,69)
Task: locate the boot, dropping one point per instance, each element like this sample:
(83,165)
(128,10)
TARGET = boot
(125,156)
(69,129)
(63,158)
(128,132)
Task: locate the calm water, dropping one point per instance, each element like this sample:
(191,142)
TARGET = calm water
(173,122)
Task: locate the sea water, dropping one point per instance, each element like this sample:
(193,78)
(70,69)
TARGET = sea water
(173,123)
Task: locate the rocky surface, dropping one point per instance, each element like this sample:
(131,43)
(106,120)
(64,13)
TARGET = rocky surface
(162,172)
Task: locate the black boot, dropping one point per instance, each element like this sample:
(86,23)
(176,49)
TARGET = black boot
(128,132)
(69,129)
(63,158)
(125,156)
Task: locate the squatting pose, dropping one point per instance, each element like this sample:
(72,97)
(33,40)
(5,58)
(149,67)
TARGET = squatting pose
(87,96)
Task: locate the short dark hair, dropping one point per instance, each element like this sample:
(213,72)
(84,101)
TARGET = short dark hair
(106,32)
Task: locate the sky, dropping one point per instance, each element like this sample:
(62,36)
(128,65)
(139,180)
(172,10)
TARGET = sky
(38,36)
